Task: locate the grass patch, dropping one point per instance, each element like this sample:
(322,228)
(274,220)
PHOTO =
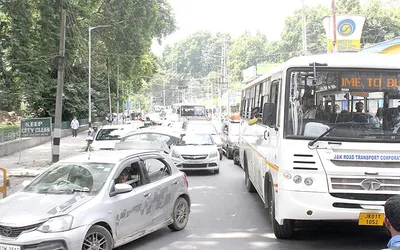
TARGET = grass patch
(3,126)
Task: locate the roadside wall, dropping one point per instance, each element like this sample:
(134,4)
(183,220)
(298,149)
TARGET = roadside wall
(14,146)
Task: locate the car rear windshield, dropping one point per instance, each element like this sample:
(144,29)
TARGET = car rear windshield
(110,134)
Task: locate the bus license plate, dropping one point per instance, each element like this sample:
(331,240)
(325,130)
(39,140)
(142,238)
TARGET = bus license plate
(9,247)
(371,219)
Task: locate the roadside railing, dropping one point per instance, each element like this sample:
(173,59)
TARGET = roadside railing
(9,134)
(12,132)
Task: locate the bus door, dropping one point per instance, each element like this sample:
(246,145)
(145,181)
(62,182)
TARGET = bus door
(271,133)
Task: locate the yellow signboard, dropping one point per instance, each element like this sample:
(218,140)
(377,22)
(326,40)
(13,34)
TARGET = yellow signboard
(345,45)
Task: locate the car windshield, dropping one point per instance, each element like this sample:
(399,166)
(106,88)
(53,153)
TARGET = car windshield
(195,139)
(110,134)
(201,128)
(234,129)
(71,177)
(366,104)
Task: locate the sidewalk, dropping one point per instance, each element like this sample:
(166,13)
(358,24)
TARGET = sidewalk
(30,162)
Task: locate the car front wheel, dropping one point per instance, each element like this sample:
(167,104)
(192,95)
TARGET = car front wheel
(98,238)
(180,214)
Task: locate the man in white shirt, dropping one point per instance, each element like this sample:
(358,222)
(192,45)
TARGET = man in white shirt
(74,126)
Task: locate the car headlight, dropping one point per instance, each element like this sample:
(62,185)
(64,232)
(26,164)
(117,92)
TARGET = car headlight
(175,154)
(214,154)
(57,224)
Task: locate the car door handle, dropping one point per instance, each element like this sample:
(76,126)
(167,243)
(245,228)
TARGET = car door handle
(176,182)
(147,194)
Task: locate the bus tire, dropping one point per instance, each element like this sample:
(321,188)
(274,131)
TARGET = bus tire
(249,185)
(284,231)
(236,157)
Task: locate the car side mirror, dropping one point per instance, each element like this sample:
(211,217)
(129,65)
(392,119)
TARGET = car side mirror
(269,114)
(122,188)
(26,183)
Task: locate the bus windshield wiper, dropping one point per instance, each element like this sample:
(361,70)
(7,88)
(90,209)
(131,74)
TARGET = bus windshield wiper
(311,143)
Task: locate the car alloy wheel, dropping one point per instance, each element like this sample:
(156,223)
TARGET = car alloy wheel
(180,214)
(97,238)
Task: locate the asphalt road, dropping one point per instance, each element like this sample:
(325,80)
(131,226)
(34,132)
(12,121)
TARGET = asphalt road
(225,216)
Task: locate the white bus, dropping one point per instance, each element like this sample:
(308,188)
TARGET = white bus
(327,143)
(190,111)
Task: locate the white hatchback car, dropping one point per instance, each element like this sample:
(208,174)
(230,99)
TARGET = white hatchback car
(96,200)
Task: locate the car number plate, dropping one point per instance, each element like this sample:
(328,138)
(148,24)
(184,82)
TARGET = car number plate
(9,247)
(371,219)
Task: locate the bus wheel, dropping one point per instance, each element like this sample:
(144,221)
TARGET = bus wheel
(249,185)
(229,154)
(236,157)
(284,231)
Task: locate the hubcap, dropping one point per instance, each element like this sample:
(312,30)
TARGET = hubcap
(95,241)
(181,214)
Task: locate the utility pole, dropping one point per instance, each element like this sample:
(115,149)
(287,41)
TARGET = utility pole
(109,88)
(303,12)
(118,91)
(164,92)
(60,86)
(334,26)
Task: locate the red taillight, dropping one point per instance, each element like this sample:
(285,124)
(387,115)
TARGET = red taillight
(187,183)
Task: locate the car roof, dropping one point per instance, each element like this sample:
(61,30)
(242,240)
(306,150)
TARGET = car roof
(163,131)
(117,126)
(107,156)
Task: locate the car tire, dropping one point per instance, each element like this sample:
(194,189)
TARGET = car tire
(180,214)
(216,171)
(284,231)
(99,233)
(236,157)
(229,154)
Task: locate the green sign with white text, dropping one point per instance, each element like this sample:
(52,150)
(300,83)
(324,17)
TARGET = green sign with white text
(36,127)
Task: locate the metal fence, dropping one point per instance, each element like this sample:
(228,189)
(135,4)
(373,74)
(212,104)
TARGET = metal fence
(12,133)
(9,134)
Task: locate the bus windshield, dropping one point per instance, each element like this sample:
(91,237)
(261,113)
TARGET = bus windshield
(191,110)
(359,104)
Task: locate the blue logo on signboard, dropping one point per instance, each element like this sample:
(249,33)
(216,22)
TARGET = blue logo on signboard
(346,27)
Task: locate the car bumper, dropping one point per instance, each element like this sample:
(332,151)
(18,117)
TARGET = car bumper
(34,240)
(194,165)
(296,204)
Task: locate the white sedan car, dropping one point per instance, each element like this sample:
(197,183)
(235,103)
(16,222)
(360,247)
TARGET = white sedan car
(96,200)
(108,135)
(196,152)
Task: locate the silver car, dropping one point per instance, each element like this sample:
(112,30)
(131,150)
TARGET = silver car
(196,152)
(96,200)
(205,127)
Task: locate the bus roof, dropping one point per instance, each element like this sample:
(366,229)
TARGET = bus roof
(339,60)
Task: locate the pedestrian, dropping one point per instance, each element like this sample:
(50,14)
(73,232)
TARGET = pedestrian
(74,126)
(392,221)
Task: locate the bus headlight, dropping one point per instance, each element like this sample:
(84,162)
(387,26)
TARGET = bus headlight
(297,179)
(287,176)
(308,181)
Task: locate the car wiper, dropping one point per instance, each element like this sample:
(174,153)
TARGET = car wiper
(80,191)
(311,143)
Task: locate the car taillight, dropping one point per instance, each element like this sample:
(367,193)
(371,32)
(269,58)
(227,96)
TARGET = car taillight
(187,183)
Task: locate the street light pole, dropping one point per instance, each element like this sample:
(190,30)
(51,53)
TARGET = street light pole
(90,70)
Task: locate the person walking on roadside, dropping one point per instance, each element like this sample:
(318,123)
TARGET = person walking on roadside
(74,126)
(392,221)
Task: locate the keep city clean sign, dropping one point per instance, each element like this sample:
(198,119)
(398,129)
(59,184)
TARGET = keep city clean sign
(348,32)
(36,127)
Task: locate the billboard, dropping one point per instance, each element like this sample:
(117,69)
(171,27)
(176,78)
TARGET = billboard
(264,68)
(36,127)
(249,74)
(348,32)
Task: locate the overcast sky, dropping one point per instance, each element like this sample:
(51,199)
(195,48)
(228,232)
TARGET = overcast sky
(233,16)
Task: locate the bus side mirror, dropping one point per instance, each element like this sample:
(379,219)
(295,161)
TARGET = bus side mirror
(269,114)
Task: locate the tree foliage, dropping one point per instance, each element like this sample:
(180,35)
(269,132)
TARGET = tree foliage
(29,48)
